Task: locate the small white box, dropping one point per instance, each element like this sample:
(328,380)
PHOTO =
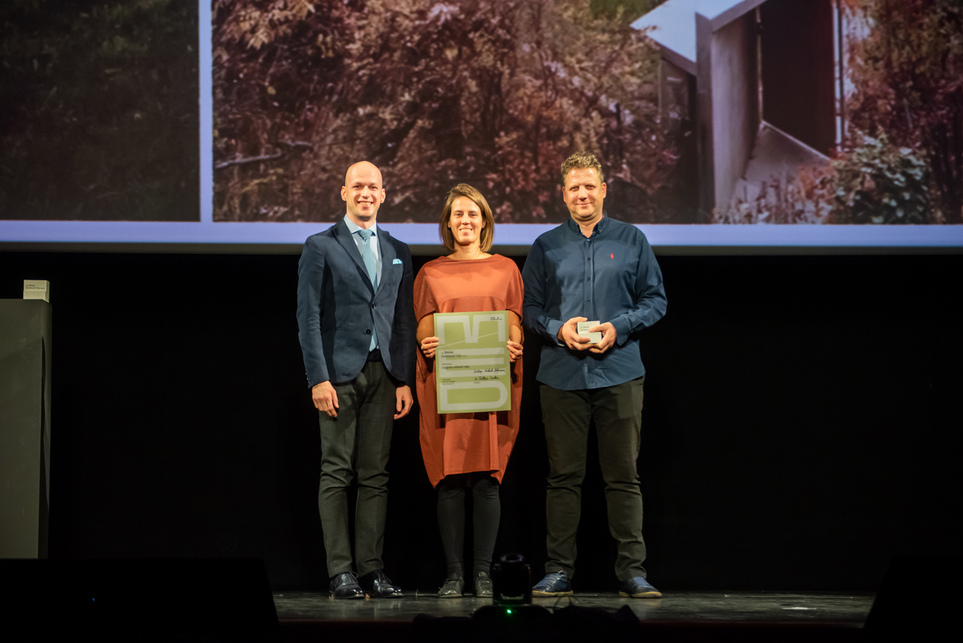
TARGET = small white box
(582,328)
(36,289)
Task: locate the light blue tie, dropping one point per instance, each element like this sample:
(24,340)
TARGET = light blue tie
(369,262)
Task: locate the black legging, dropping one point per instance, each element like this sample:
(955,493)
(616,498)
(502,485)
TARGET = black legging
(486,512)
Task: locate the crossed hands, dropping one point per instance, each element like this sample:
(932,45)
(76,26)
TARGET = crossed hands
(569,336)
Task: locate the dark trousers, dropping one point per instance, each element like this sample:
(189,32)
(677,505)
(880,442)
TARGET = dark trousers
(354,448)
(617,414)
(486,513)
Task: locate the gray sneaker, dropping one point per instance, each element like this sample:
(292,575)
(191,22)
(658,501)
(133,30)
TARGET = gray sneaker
(638,587)
(554,584)
(453,587)
(483,585)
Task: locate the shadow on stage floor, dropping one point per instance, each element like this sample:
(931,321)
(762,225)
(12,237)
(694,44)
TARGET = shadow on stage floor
(683,616)
(224,600)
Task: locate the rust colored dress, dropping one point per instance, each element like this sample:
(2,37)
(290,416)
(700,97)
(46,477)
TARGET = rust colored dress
(455,443)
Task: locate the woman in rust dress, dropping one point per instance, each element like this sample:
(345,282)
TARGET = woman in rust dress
(467,452)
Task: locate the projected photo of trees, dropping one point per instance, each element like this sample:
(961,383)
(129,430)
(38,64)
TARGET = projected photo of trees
(493,93)
(99,110)
(765,111)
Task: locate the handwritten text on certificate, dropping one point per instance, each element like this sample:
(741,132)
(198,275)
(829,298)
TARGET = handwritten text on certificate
(472,363)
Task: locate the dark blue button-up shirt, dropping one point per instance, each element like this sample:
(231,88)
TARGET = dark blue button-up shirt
(611,276)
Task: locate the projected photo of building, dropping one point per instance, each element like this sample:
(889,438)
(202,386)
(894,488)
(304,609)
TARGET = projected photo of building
(231,122)
(757,79)
(704,111)
(813,111)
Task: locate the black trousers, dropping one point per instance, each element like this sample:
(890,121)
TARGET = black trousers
(354,449)
(617,415)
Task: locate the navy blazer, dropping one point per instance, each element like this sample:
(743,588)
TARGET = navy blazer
(337,307)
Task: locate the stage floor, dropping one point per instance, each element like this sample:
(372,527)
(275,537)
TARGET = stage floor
(843,609)
(693,617)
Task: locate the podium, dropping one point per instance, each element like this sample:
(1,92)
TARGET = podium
(25,340)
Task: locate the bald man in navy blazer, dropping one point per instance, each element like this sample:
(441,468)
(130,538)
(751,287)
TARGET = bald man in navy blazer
(356,325)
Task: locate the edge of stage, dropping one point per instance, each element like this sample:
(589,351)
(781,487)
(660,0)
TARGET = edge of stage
(688,616)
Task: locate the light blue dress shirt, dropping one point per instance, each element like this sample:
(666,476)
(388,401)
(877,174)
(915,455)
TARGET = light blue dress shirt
(354,227)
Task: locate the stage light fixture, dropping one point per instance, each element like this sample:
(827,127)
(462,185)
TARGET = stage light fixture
(512,580)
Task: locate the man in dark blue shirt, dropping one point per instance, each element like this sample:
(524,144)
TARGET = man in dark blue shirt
(601,273)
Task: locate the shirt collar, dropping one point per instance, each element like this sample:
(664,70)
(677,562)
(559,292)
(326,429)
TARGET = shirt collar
(599,225)
(354,227)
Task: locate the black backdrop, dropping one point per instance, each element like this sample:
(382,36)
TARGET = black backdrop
(801,427)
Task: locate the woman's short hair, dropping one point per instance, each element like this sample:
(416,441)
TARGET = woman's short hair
(487,233)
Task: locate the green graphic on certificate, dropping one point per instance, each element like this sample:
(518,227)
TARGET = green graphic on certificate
(472,363)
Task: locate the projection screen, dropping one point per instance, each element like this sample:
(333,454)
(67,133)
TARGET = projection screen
(720,124)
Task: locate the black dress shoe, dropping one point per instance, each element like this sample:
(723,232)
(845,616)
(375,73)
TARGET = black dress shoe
(379,586)
(345,585)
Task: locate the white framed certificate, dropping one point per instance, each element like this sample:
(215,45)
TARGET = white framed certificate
(472,365)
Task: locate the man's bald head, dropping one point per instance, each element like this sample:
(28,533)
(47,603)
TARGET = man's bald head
(363,193)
